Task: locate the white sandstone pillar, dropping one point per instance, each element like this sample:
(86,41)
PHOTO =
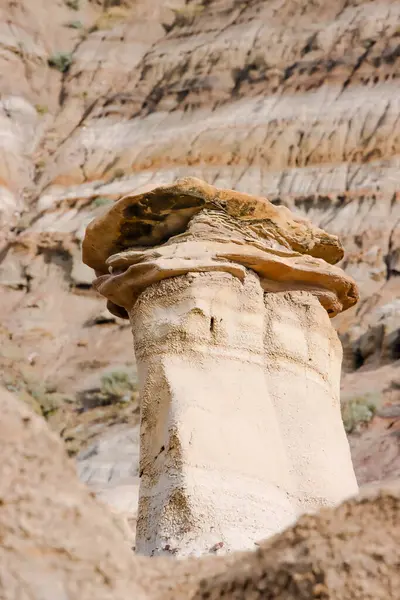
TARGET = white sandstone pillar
(238,364)
(213,464)
(303,357)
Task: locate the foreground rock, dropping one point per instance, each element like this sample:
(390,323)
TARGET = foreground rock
(58,543)
(349,553)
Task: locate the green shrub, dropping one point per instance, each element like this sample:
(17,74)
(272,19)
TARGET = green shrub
(74,25)
(41,109)
(101,201)
(40,164)
(60,61)
(110,18)
(74,4)
(358,410)
(41,396)
(185,15)
(118,173)
(115,387)
(118,385)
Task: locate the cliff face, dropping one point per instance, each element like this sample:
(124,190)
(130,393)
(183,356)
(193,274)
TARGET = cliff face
(294,100)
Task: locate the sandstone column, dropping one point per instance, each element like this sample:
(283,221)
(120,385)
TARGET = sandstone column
(240,421)
(208,427)
(303,357)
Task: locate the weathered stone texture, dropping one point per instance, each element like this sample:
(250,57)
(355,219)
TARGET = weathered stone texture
(296,101)
(208,427)
(57,542)
(239,366)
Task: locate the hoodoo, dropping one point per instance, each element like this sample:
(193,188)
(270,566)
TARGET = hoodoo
(229,297)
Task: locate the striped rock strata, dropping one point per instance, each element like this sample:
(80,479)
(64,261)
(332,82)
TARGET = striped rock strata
(239,367)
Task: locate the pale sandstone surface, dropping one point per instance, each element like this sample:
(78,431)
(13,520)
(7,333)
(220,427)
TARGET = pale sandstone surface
(292,100)
(207,422)
(59,542)
(302,361)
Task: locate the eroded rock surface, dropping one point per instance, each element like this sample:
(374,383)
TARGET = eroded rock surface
(59,542)
(351,552)
(296,101)
(110,467)
(228,298)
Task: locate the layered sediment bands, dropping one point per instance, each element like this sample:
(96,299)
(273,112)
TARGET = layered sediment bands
(278,84)
(283,99)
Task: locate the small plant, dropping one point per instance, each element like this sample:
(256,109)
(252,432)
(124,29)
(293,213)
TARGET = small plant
(101,201)
(118,173)
(110,3)
(60,61)
(186,14)
(40,164)
(41,396)
(74,25)
(359,410)
(113,16)
(48,402)
(41,109)
(74,4)
(117,384)
(115,387)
